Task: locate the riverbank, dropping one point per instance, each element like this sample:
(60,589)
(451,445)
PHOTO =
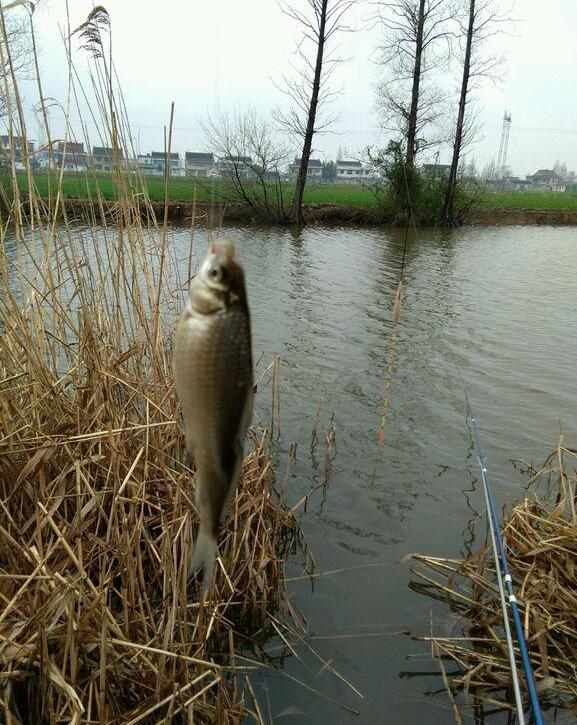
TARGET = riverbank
(217,212)
(323,203)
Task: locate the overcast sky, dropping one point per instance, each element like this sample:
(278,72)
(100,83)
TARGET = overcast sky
(210,56)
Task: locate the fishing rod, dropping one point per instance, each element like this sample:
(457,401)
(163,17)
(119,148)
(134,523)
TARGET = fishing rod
(503,575)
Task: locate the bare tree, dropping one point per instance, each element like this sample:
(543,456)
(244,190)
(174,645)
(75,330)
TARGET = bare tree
(483,20)
(310,92)
(416,41)
(16,51)
(250,159)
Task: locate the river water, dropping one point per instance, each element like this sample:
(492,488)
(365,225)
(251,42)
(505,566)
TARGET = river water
(487,310)
(490,311)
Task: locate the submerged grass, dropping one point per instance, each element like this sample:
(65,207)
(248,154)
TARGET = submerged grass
(540,537)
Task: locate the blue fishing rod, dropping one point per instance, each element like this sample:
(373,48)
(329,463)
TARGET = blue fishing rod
(503,575)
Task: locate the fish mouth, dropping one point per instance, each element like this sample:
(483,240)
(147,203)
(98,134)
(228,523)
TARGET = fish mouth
(212,304)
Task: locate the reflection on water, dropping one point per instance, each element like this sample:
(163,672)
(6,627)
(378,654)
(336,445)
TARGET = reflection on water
(483,311)
(490,311)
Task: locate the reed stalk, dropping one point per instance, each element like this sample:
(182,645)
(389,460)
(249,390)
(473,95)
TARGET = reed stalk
(97,622)
(540,536)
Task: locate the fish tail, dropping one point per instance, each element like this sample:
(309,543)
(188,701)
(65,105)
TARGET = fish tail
(204,556)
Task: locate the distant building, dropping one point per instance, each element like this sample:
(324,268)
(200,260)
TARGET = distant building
(241,166)
(199,164)
(68,154)
(314,168)
(508,183)
(72,155)
(351,172)
(103,158)
(436,170)
(154,163)
(16,144)
(517,184)
(546,180)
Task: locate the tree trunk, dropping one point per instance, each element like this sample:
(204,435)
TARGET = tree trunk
(310,129)
(448,208)
(413,113)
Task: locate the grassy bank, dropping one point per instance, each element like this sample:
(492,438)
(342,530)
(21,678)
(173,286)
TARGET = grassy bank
(180,189)
(183,189)
(529,200)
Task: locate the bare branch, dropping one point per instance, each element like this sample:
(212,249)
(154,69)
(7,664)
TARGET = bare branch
(310,92)
(417,40)
(250,161)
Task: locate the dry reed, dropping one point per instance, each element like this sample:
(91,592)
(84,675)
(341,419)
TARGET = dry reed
(97,623)
(540,536)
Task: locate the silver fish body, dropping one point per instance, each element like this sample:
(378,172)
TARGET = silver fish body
(213,378)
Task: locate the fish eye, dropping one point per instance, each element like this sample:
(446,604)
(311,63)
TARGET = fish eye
(215,273)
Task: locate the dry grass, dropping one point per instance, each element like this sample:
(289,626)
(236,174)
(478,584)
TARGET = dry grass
(96,622)
(540,536)
(96,493)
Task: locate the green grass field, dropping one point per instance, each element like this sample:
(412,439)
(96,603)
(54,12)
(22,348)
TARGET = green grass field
(182,189)
(533,200)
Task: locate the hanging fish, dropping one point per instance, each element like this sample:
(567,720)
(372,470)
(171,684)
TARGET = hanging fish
(213,378)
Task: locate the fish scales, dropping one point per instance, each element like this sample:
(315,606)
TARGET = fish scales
(213,377)
(214,360)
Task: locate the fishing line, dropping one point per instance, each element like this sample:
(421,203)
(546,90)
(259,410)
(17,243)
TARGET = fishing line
(397,306)
(503,575)
(504,579)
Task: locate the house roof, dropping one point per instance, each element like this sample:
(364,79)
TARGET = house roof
(162,155)
(546,174)
(236,159)
(436,167)
(72,147)
(313,163)
(356,164)
(199,156)
(5,140)
(105,151)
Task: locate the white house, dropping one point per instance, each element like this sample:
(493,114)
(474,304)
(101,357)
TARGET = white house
(242,167)
(314,168)
(154,163)
(352,172)
(103,158)
(70,154)
(199,164)
(16,144)
(547,180)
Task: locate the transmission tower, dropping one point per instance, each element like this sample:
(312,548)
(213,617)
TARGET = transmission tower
(504,145)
